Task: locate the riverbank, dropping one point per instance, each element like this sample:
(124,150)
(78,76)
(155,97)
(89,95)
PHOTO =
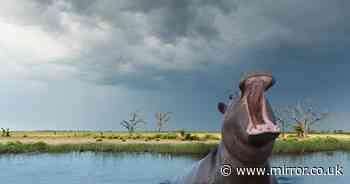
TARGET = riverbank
(291,144)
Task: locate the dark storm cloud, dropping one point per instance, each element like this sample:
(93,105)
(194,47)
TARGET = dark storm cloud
(223,32)
(100,59)
(169,19)
(167,41)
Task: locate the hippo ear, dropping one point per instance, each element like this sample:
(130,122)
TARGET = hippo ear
(222,107)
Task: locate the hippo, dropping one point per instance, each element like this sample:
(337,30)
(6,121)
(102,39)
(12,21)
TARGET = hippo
(248,133)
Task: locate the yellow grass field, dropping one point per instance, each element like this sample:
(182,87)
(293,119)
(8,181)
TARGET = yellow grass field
(72,134)
(165,142)
(57,137)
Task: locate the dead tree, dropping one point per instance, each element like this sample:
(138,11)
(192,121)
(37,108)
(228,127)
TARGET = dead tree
(162,119)
(133,122)
(282,118)
(7,132)
(3,132)
(306,115)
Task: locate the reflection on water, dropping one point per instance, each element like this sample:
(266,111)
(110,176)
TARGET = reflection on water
(106,168)
(324,160)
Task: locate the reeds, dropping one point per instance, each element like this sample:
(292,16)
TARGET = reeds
(288,145)
(181,148)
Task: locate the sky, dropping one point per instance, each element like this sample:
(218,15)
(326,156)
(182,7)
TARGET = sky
(86,64)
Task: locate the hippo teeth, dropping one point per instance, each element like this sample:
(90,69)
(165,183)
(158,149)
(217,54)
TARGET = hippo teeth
(263,128)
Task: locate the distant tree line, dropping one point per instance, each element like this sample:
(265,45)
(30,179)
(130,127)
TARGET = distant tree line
(136,119)
(5,132)
(301,117)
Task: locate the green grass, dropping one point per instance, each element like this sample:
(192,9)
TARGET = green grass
(291,144)
(182,149)
(313,144)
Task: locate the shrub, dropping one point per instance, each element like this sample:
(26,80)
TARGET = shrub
(136,137)
(40,146)
(147,139)
(195,138)
(187,136)
(211,137)
(99,140)
(190,137)
(168,136)
(157,136)
(182,133)
(40,143)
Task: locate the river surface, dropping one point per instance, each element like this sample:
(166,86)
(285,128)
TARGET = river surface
(107,168)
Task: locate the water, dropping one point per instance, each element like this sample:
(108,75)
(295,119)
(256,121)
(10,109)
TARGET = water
(103,168)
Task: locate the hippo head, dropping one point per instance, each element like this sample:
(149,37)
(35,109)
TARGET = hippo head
(249,127)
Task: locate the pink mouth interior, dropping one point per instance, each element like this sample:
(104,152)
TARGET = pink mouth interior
(259,120)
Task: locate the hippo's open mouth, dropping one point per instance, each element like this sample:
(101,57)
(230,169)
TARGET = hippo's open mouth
(259,119)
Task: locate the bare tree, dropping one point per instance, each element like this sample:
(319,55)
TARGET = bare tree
(306,115)
(7,132)
(282,118)
(162,119)
(3,132)
(133,122)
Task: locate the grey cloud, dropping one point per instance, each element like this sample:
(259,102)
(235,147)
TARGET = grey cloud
(180,56)
(168,19)
(190,36)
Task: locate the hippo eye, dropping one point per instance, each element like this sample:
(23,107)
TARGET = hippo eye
(230,97)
